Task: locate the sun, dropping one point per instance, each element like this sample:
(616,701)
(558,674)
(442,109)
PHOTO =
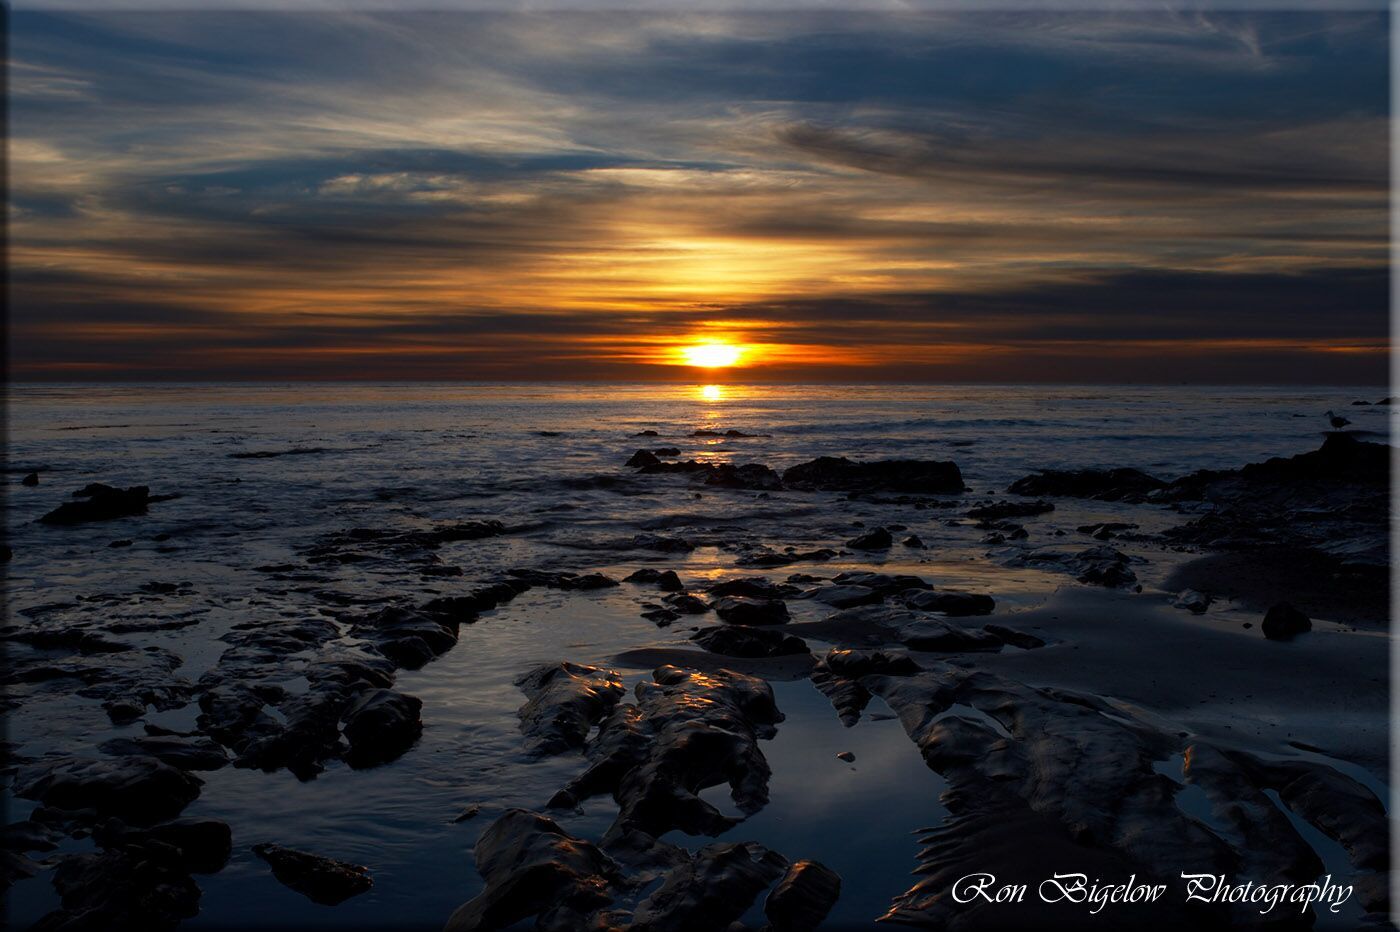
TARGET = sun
(712,355)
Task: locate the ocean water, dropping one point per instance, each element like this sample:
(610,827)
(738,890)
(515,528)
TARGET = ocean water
(547,460)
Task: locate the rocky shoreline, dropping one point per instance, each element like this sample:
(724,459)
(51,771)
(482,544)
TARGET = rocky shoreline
(1084,771)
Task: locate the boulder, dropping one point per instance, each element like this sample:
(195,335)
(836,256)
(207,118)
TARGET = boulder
(192,753)
(997,511)
(565,701)
(643,458)
(1109,485)
(98,502)
(744,641)
(139,790)
(877,539)
(804,896)
(737,610)
(380,726)
(1282,622)
(320,879)
(847,596)
(838,474)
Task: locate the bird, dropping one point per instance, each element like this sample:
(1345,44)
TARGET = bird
(1337,421)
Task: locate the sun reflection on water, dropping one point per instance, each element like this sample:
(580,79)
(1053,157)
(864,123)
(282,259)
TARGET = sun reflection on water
(712,392)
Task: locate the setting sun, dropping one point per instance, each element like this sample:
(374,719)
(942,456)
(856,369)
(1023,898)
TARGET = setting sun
(712,355)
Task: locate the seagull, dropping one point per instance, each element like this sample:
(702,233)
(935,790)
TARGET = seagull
(1337,422)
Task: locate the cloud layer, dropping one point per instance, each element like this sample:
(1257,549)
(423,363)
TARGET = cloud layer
(990,196)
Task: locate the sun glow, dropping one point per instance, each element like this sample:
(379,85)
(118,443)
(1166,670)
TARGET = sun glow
(712,355)
(712,392)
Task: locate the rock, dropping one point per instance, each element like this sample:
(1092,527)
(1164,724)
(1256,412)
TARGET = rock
(646,433)
(1013,637)
(688,731)
(1193,601)
(30,480)
(753,476)
(687,604)
(1282,622)
(738,610)
(196,753)
(753,587)
(1000,510)
(381,726)
(950,602)
(1109,485)
(116,544)
(837,474)
(565,701)
(204,845)
(846,756)
(666,580)
(1106,530)
(803,898)
(666,451)
(877,539)
(132,888)
(913,540)
(770,558)
(661,616)
(744,641)
(139,790)
(532,867)
(408,636)
(1100,566)
(847,596)
(99,502)
(320,879)
(930,635)
(709,891)
(471,812)
(643,458)
(883,583)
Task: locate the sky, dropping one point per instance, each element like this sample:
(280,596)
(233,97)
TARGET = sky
(937,196)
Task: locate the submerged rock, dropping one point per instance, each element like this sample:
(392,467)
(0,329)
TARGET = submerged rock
(847,596)
(997,511)
(666,580)
(320,879)
(642,458)
(709,890)
(950,602)
(193,753)
(739,610)
(1193,601)
(135,887)
(1109,485)
(838,474)
(98,502)
(744,641)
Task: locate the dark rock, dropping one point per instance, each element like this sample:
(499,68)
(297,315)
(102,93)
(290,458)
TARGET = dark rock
(753,476)
(688,731)
(950,602)
(646,433)
(1283,621)
(666,451)
(877,539)
(320,879)
(846,756)
(1106,530)
(1015,638)
(1109,485)
(770,558)
(711,890)
(930,635)
(642,458)
(204,845)
(744,641)
(738,610)
(687,604)
(847,596)
(565,701)
(380,726)
(883,583)
(31,480)
(752,587)
(197,753)
(133,888)
(666,580)
(471,812)
(1193,601)
(663,617)
(913,540)
(1000,510)
(804,897)
(532,867)
(837,474)
(139,790)
(99,502)
(119,543)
